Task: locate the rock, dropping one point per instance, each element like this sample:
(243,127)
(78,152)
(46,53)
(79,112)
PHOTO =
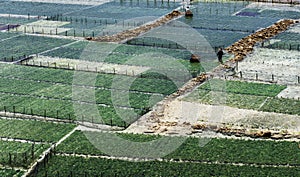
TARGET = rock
(149,131)
(164,130)
(288,136)
(188,13)
(266,134)
(277,136)
(195,59)
(199,126)
(213,127)
(197,131)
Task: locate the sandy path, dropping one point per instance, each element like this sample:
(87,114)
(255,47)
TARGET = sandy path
(178,116)
(177,161)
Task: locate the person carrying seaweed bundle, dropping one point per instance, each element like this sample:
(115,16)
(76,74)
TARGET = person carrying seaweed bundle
(220,54)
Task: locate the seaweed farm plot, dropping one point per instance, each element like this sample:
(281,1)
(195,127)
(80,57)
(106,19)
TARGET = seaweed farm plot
(100,26)
(122,59)
(224,23)
(16,20)
(220,16)
(218,148)
(268,10)
(11,172)
(245,95)
(112,53)
(33,130)
(91,166)
(219,38)
(22,46)
(203,7)
(288,40)
(230,23)
(5,36)
(43,27)
(221,154)
(18,154)
(115,17)
(216,39)
(37,8)
(271,65)
(118,11)
(23,141)
(42,92)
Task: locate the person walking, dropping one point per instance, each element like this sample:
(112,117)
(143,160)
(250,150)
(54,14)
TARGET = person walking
(220,54)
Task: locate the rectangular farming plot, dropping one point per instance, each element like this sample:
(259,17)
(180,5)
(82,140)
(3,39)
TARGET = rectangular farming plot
(10,19)
(63,109)
(65,2)
(148,83)
(36,74)
(228,150)
(115,17)
(221,150)
(242,101)
(230,23)
(282,105)
(240,87)
(44,27)
(221,8)
(43,107)
(19,46)
(281,66)
(276,10)
(37,8)
(21,86)
(5,36)
(124,59)
(288,40)
(33,130)
(220,38)
(66,166)
(245,95)
(117,11)
(222,16)
(79,144)
(47,92)
(102,27)
(17,154)
(141,89)
(10,172)
(92,51)
(72,51)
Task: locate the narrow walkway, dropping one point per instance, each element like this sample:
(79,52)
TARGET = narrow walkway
(181,161)
(21,141)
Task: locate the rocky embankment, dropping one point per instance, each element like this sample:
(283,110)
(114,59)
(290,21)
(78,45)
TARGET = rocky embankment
(245,46)
(128,34)
(240,131)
